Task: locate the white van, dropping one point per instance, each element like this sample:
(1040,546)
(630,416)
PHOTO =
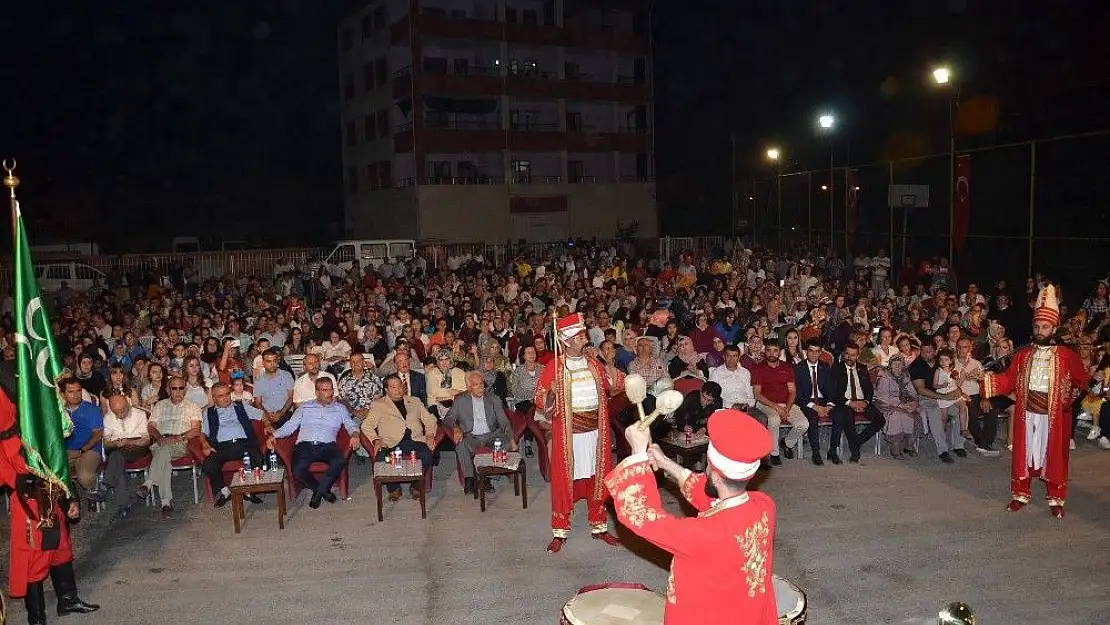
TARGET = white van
(342,255)
(78,276)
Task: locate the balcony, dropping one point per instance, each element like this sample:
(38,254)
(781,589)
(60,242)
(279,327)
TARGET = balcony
(478,80)
(488,29)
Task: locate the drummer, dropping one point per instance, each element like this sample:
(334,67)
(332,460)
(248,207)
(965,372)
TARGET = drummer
(721,571)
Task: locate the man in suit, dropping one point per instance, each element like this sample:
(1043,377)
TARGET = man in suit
(413,382)
(477,418)
(852,394)
(400,421)
(813,379)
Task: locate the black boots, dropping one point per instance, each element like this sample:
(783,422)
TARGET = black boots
(35,602)
(65,586)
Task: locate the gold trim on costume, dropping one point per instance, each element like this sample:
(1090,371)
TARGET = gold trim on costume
(560,533)
(671,597)
(633,503)
(599,528)
(725,504)
(754,546)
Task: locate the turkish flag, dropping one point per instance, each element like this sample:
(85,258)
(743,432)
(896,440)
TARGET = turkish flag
(962,209)
(851,204)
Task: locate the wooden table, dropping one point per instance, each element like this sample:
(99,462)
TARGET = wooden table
(270,482)
(484,466)
(674,444)
(385,473)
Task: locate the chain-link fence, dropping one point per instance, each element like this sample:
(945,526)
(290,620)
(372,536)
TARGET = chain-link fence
(1038,206)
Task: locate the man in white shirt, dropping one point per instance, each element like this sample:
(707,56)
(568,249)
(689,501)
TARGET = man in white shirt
(304,389)
(735,381)
(126,438)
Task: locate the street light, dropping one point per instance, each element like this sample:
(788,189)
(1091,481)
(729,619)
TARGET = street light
(825,122)
(773,155)
(943,77)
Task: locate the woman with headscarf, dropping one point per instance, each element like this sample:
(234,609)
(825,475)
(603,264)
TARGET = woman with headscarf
(896,398)
(687,361)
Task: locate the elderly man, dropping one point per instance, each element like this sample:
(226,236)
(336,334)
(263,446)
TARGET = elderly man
(125,438)
(304,389)
(318,422)
(172,423)
(444,383)
(477,419)
(645,363)
(400,421)
(359,389)
(228,435)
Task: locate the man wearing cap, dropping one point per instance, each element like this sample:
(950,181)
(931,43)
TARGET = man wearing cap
(724,555)
(572,395)
(1043,378)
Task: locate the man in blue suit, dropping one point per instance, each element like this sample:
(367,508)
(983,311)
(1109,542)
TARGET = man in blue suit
(813,379)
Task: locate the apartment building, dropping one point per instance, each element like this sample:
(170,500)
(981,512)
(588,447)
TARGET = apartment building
(485,120)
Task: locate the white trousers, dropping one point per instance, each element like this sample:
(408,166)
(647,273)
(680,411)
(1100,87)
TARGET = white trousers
(585,454)
(1036,439)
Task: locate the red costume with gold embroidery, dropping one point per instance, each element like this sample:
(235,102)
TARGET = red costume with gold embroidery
(723,557)
(579,415)
(1066,374)
(29,562)
(1044,379)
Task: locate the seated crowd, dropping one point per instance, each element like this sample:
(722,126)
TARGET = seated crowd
(412,357)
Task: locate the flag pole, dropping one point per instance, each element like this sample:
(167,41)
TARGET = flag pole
(11,182)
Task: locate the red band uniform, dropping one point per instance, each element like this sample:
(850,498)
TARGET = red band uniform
(722,566)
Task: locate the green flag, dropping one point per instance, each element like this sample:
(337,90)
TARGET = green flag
(43,424)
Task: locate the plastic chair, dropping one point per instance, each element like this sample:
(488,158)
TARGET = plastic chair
(688,385)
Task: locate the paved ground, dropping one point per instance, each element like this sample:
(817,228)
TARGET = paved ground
(881,542)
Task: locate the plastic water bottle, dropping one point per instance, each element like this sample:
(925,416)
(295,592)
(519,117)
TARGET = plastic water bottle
(273,460)
(397,454)
(497,450)
(246,462)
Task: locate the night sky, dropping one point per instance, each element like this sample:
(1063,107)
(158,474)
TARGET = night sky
(189,118)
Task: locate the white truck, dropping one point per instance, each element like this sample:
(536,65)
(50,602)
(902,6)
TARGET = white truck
(340,256)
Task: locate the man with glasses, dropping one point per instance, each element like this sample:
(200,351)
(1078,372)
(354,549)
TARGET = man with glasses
(172,423)
(228,435)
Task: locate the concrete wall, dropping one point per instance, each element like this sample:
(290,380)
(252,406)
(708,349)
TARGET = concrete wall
(473,213)
(385,214)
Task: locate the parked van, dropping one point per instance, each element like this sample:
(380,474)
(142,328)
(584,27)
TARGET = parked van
(342,255)
(78,276)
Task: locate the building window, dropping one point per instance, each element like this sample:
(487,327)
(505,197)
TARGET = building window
(379,18)
(576,170)
(367,25)
(346,40)
(574,121)
(434,11)
(510,15)
(530,17)
(435,65)
(439,172)
(458,14)
(352,180)
(351,132)
(368,128)
(379,71)
(643,172)
(368,77)
(466,170)
(385,174)
(461,67)
(372,182)
(348,86)
(383,124)
(521,171)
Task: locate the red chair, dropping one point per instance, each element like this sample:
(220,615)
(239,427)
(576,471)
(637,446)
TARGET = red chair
(688,385)
(540,435)
(231,467)
(284,447)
